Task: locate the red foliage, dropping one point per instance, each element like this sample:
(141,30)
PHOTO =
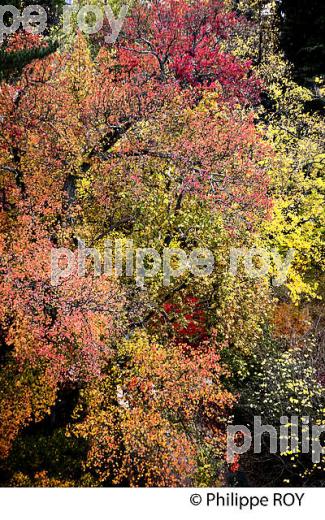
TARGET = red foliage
(191,327)
(22,40)
(234,467)
(182,40)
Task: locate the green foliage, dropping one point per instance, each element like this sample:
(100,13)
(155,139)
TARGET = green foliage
(12,63)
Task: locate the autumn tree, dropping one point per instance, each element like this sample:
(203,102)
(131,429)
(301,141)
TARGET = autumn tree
(161,140)
(133,144)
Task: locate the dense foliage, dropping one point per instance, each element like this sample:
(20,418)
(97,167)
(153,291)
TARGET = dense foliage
(189,132)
